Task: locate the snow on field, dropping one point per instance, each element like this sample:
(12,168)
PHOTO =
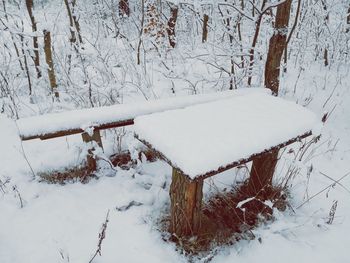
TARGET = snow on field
(233,129)
(61,223)
(47,223)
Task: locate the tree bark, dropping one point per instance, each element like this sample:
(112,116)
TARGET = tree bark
(73,38)
(326,21)
(29,4)
(348,20)
(255,40)
(205,28)
(186,202)
(276,46)
(124,9)
(262,171)
(76,21)
(171,25)
(48,57)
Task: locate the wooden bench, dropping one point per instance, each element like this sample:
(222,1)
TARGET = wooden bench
(204,140)
(89,122)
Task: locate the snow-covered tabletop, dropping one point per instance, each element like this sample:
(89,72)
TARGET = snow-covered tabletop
(203,138)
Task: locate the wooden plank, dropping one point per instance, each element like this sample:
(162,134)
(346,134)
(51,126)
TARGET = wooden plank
(62,132)
(231,165)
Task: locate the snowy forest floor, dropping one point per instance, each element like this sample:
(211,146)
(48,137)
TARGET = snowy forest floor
(61,223)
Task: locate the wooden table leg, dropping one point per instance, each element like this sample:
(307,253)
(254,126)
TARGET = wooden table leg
(262,171)
(186,202)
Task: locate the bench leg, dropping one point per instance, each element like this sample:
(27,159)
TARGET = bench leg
(186,201)
(87,138)
(262,171)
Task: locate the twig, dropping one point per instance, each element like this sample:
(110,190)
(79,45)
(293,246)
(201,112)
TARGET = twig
(324,189)
(101,236)
(332,212)
(14,188)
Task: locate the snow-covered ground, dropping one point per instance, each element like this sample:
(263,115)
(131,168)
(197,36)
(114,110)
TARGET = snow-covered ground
(60,223)
(47,223)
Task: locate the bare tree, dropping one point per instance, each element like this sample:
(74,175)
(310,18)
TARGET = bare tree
(171,25)
(29,4)
(255,40)
(48,57)
(348,20)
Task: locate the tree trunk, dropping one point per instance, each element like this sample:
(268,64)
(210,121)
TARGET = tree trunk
(76,21)
(29,4)
(264,167)
(48,57)
(276,46)
(255,40)
(186,202)
(326,21)
(73,38)
(348,20)
(171,25)
(124,9)
(205,28)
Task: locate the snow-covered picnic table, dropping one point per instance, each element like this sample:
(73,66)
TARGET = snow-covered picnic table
(204,138)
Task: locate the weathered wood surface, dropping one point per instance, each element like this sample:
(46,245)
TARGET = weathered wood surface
(231,165)
(186,203)
(262,171)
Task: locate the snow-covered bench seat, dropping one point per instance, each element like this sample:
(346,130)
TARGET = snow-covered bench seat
(89,122)
(203,140)
(77,121)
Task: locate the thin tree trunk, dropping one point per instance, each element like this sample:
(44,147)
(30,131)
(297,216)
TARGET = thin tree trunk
(255,40)
(239,31)
(141,31)
(76,21)
(29,4)
(124,9)
(26,62)
(205,28)
(48,57)
(326,20)
(297,14)
(73,38)
(171,25)
(348,20)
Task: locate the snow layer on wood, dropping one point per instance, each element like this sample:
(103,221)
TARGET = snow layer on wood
(82,119)
(205,137)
